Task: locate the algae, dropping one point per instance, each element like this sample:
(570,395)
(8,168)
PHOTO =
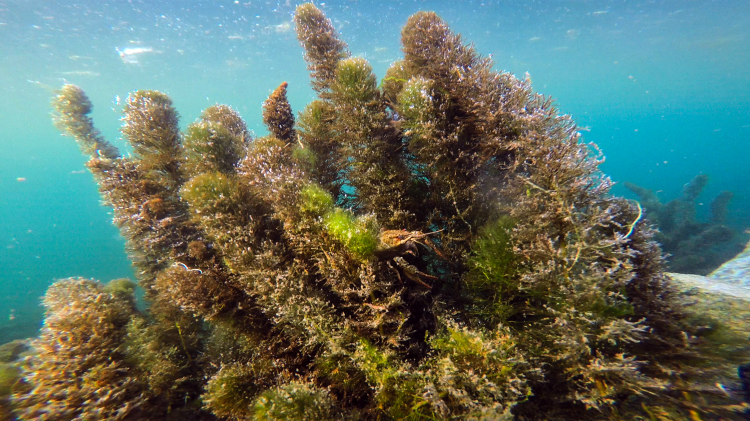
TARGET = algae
(440,246)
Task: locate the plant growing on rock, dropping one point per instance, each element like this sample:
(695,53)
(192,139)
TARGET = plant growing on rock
(442,246)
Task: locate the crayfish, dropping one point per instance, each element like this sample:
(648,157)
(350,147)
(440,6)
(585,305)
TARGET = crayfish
(394,244)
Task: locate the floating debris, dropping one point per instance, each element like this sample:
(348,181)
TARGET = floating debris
(80,73)
(130,55)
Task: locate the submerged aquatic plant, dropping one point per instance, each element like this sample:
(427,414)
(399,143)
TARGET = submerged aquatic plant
(10,375)
(439,246)
(694,246)
(77,371)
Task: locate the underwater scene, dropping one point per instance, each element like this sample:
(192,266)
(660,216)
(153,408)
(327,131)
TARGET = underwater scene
(496,210)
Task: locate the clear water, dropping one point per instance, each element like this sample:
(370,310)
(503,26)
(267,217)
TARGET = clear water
(661,86)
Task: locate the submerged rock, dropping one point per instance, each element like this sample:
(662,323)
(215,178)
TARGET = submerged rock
(732,279)
(723,296)
(718,299)
(735,271)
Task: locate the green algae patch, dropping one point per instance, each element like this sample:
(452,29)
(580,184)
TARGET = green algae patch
(416,100)
(211,193)
(315,200)
(305,157)
(232,391)
(491,279)
(355,80)
(359,235)
(293,401)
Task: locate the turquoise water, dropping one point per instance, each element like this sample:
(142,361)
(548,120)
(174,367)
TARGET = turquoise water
(661,86)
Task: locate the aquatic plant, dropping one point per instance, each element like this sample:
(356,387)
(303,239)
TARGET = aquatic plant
(440,246)
(77,370)
(10,375)
(694,246)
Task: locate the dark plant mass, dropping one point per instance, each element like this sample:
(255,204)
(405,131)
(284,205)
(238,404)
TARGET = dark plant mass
(439,245)
(693,246)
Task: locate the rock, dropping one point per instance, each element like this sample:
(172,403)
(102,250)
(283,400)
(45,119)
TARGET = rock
(724,301)
(735,271)
(724,295)
(708,285)
(12,350)
(731,282)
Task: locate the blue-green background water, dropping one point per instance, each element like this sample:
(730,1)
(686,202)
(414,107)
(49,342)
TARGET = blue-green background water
(662,87)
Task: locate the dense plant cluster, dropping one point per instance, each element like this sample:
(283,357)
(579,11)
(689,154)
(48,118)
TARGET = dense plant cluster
(694,246)
(440,246)
(10,376)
